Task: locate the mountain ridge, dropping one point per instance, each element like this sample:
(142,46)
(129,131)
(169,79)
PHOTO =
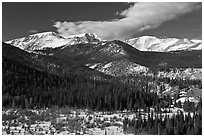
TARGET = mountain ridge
(40,41)
(44,40)
(151,43)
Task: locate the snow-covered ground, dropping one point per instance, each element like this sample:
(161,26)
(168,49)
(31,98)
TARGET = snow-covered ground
(73,122)
(183,73)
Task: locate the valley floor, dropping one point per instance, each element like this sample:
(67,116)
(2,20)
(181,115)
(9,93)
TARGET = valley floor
(68,121)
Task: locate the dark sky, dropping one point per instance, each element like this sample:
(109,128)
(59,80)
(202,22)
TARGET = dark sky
(189,25)
(20,19)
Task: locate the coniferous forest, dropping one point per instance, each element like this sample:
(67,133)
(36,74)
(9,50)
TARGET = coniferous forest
(25,87)
(178,124)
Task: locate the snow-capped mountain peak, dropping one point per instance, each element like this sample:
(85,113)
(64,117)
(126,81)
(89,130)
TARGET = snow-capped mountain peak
(93,35)
(151,43)
(86,37)
(38,41)
(43,40)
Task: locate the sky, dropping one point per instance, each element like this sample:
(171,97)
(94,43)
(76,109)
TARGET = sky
(109,21)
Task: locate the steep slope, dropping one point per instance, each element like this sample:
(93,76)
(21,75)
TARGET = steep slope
(50,64)
(33,60)
(150,43)
(44,40)
(24,87)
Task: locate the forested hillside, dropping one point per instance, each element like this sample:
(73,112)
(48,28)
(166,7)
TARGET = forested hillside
(27,87)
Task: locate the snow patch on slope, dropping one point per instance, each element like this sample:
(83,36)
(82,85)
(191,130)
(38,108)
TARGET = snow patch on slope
(119,68)
(107,65)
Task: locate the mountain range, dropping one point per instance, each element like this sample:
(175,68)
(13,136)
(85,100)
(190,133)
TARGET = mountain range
(144,43)
(89,54)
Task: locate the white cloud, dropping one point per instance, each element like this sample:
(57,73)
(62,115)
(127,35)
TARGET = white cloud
(137,18)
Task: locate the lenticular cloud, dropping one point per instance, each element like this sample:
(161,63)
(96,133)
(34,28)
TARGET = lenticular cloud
(137,18)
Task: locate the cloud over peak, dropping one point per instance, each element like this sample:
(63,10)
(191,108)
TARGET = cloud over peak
(137,18)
